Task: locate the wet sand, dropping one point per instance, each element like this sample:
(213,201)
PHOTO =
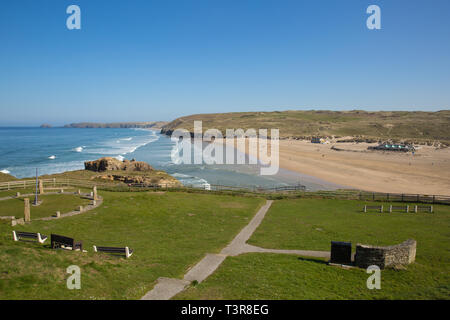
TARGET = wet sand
(425,172)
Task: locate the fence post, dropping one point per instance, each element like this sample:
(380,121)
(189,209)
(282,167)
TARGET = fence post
(418,197)
(373,196)
(433,198)
(8,185)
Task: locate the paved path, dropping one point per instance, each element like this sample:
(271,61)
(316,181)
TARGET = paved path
(167,288)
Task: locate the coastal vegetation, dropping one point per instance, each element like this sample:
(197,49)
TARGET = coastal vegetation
(4,177)
(406,126)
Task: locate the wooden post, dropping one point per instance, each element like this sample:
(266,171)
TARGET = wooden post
(407,208)
(390,208)
(418,197)
(415,209)
(95,192)
(431,209)
(365,208)
(8,185)
(381,209)
(27,210)
(41,187)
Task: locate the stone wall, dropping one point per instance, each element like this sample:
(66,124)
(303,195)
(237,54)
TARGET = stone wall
(401,254)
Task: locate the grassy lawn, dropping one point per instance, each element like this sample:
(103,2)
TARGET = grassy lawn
(169,232)
(51,203)
(311,224)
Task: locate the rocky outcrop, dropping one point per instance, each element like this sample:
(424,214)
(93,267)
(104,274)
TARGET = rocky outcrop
(162,180)
(112,164)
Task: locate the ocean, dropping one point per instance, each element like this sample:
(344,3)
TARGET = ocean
(55,150)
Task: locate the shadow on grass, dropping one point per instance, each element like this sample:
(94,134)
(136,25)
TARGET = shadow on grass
(316,260)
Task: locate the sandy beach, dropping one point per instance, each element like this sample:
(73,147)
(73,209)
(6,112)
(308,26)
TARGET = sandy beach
(425,172)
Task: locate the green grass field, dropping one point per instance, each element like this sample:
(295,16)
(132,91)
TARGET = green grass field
(50,204)
(168,232)
(311,224)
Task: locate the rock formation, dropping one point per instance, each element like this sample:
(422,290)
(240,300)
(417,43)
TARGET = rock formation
(130,172)
(112,164)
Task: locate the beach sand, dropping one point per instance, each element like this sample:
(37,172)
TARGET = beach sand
(425,172)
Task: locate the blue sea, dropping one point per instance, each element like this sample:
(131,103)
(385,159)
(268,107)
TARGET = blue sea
(55,150)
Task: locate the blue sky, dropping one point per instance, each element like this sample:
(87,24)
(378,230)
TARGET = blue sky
(157,60)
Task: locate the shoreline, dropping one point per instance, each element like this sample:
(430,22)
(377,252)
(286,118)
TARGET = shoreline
(355,167)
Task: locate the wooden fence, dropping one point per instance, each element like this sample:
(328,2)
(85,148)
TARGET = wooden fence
(301,190)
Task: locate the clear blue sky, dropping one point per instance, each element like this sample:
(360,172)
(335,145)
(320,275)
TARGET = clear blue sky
(157,60)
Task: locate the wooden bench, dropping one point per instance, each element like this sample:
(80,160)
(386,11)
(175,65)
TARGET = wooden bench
(398,208)
(373,208)
(423,208)
(126,251)
(17,235)
(63,242)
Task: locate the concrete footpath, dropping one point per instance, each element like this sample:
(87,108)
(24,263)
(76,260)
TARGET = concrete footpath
(167,288)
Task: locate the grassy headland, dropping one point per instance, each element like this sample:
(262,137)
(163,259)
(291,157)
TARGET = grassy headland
(414,126)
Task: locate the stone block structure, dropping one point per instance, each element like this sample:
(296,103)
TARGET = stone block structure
(383,257)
